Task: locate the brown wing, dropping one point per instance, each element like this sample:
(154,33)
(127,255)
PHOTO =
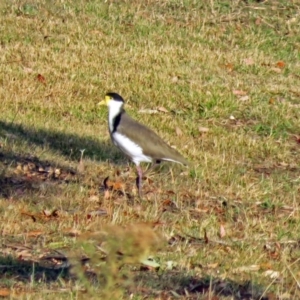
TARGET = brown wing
(151,143)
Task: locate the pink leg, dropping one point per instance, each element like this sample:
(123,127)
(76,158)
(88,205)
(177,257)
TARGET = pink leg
(139,179)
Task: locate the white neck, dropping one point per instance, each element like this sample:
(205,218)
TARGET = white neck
(114,108)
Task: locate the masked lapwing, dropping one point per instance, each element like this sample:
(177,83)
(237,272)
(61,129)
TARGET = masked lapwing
(137,141)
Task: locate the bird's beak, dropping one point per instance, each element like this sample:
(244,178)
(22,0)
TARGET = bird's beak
(105,101)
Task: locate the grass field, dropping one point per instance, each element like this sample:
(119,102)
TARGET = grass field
(222,80)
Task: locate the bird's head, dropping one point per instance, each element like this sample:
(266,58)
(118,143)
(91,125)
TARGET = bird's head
(112,100)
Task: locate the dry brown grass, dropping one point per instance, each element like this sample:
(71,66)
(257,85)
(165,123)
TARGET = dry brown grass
(229,225)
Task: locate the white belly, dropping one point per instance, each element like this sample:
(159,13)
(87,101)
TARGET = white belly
(131,149)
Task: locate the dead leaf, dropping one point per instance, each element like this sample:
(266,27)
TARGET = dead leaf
(148,111)
(185,173)
(213,266)
(203,129)
(244,98)
(29,215)
(4,292)
(174,79)
(178,131)
(276,70)
(41,79)
(94,198)
(167,202)
(118,185)
(34,233)
(280,64)
(265,266)
(47,212)
(229,67)
(258,21)
(50,214)
(239,92)
(249,61)
(272,274)
(251,268)
(106,194)
(72,232)
(23,254)
(271,101)
(27,70)
(57,172)
(162,109)
(222,231)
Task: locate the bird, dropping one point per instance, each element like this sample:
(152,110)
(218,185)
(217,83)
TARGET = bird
(135,140)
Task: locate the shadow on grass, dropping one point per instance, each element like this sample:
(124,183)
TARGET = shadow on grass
(179,285)
(144,283)
(22,173)
(68,145)
(13,270)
